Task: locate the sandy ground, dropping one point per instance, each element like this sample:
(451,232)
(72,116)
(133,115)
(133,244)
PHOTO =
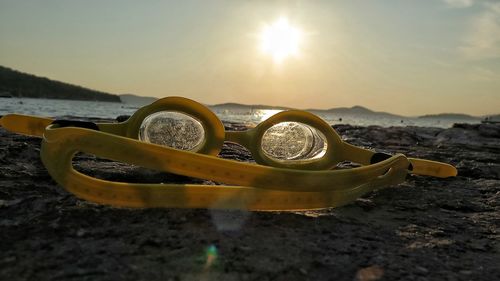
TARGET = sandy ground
(424,229)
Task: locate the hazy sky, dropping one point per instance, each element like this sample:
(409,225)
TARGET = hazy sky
(406,57)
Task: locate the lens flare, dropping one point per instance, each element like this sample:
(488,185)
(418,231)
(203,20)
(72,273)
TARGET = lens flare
(210,256)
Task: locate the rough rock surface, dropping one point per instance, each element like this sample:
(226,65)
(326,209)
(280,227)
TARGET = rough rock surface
(423,229)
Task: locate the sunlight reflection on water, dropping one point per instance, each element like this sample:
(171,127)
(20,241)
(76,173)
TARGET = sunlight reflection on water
(264,114)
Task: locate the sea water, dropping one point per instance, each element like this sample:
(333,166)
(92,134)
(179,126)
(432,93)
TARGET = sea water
(111,110)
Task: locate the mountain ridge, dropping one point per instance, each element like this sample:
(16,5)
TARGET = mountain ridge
(20,84)
(451,116)
(356,109)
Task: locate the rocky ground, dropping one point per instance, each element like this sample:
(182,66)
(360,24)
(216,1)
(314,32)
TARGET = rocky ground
(424,229)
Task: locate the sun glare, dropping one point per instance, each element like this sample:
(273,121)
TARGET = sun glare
(280,40)
(264,114)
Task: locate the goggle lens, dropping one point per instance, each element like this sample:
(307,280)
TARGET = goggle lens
(293,141)
(172,129)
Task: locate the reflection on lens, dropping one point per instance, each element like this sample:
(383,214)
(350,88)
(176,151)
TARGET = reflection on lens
(293,141)
(172,129)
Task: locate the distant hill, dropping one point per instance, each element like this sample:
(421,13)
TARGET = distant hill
(239,106)
(19,84)
(352,111)
(136,100)
(357,110)
(451,116)
(341,111)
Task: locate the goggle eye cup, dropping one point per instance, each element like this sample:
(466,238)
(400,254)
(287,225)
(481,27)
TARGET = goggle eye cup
(172,129)
(292,141)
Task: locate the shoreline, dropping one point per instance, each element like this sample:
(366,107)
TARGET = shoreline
(424,228)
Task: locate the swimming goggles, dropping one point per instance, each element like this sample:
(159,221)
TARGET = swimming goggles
(297,154)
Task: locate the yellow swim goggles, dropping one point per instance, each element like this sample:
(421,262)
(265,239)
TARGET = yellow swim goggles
(296,151)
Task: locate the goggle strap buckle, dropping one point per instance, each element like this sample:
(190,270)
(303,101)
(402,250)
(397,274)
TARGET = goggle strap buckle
(380,156)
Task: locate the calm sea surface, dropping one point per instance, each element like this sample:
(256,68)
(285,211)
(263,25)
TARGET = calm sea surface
(60,108)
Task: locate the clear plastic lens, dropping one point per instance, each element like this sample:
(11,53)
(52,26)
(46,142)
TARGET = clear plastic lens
(172,129)
(293,141)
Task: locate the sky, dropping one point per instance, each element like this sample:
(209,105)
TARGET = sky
(405,57)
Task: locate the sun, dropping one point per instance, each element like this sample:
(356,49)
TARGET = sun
(280,40)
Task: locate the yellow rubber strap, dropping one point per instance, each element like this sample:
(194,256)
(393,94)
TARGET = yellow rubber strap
(262,188)
(35,125)
(432,168)
(419,166)
(25,124)
(209,167)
